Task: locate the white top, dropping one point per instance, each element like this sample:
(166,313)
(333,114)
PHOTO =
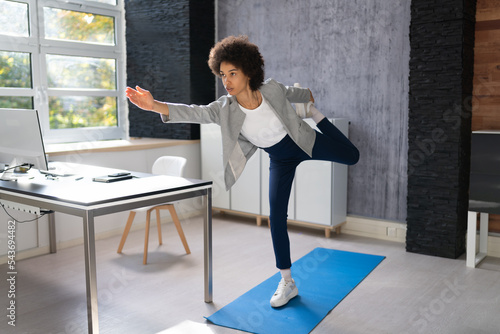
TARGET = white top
(261,126)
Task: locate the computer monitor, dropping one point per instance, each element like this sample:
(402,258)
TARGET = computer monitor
(21,138)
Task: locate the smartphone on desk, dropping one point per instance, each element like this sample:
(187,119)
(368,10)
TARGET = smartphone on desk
(113,177)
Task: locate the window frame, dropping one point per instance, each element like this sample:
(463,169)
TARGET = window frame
(38,46)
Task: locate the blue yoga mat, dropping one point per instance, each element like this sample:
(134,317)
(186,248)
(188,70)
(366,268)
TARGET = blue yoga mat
(324,277)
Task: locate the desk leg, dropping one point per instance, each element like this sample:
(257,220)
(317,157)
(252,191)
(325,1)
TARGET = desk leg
(52,232)
(473,258)
(483,233)
(90,272)
(471,239)
(207,232)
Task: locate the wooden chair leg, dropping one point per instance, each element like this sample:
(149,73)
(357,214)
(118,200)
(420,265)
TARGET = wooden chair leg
(146,237)
(158,225)
(177,223)
(126,231)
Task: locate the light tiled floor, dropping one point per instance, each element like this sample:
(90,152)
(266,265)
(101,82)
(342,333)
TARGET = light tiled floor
(406,293)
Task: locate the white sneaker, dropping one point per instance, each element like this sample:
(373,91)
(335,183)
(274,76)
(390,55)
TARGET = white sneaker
(285,292)
(303,109)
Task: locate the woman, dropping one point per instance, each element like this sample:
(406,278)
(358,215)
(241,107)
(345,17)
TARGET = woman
(257,114)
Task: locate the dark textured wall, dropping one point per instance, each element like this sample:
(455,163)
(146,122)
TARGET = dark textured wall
(353,55)
(167,47)
(441,71)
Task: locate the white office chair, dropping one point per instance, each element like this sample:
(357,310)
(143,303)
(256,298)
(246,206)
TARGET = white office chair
(166,165)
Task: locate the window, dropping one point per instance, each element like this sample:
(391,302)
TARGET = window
(65,59)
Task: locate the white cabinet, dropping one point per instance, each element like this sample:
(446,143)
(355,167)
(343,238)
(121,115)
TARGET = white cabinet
(319,192)
(321,188)
(245,194)
(211,164)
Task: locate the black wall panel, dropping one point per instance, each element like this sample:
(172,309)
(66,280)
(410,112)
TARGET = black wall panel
(439,126)
(167,48)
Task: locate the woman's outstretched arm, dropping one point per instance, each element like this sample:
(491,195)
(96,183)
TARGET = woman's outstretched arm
(144,100)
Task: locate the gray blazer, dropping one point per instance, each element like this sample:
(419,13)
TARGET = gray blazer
(236,149)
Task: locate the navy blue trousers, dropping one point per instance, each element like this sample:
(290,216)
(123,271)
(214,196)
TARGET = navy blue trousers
(285,156)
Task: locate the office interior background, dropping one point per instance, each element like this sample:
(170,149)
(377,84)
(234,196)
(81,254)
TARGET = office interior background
(414,79)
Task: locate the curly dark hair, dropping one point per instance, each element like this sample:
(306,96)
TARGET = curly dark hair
(239,52)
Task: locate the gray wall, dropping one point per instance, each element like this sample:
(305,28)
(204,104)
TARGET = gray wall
(353,55)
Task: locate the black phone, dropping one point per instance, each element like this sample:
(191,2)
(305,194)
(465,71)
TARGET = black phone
(112,178)
(119,174)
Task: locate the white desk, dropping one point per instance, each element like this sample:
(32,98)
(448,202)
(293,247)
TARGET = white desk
(88,199)
(484,191)
(474,255)
(473,258)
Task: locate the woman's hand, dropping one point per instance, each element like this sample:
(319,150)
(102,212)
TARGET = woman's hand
(312,98)
(140,97)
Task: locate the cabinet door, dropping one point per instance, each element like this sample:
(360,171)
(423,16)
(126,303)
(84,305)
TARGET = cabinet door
(320,189)
(245,193)
(265,211)
(211,164)
(313,192)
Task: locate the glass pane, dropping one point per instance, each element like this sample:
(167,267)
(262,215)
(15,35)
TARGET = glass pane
(82,111)
(14,18)
(16,102)
(81,72)
(78,26)
(15,69)
(108,2)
